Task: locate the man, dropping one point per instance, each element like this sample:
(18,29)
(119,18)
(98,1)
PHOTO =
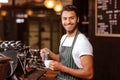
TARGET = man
(75,58)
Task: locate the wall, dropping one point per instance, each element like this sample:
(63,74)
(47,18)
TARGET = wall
(106,51)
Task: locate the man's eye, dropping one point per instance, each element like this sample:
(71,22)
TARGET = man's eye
(71,17)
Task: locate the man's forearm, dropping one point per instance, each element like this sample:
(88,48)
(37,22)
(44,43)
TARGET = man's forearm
(54,56)
(80,73)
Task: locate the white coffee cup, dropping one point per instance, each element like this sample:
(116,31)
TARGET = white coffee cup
(47,63)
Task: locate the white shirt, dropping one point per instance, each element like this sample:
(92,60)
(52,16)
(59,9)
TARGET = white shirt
(81,47)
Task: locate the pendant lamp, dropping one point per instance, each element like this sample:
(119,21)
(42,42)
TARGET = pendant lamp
(49,3)
(3,1)
(58,7)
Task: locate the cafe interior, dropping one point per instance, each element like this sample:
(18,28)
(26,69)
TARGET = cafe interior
(26,26)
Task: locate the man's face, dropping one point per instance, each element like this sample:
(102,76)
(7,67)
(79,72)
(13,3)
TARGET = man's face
(69,20)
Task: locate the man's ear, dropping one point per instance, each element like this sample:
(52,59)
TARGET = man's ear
(78,20)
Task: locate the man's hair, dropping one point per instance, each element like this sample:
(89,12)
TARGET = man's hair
(70,8)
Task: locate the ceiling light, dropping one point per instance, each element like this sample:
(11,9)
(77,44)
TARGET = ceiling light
(3,12)
(58,7)
(29,12)
(49,3)
(3,1)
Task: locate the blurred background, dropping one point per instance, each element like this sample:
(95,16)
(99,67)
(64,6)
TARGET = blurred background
(37,22)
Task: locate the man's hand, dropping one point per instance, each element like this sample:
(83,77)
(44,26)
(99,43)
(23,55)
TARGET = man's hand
(55,65)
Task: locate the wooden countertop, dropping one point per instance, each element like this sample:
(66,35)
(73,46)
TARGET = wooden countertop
(49,75)
(35,75)
(4,59)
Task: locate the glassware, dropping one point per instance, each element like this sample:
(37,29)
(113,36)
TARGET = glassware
(44,56)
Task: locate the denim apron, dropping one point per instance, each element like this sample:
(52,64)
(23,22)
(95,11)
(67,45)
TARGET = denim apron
(67,60)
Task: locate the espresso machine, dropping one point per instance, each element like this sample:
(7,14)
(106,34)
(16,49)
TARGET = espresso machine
(22,57)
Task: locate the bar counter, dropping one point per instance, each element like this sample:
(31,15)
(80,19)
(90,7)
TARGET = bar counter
(45,74)
(4,69)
